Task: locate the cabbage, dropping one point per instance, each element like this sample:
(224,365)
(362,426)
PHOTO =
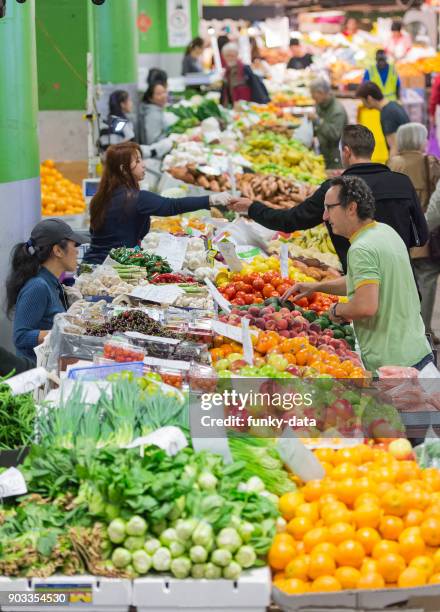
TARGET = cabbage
(141,561)
(229,539)
(121,557)
(181,567)
(136,526)
(221,557)
(116,531)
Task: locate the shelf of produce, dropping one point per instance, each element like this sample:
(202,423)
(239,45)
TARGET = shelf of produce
(104,594)
(250,593)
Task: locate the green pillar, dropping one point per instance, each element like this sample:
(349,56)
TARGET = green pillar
(114,41)
(20,202)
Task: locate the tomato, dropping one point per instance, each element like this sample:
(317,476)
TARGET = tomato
(240,294)
(249,299)
(303,302)
(258,284)
(240,286)
(267,290)
(247,288)
(275,294)
(258,294)
(238,302)
(268,276)
(258,300)
(282,288)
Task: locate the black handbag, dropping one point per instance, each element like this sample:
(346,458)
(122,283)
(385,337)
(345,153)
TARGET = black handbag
(259,93)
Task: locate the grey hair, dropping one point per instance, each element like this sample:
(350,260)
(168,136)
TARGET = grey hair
(230,46)
(411,137)
(321,85)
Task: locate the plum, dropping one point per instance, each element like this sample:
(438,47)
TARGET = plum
(285,333)
(281,324)
(261,323)
(271,325)
(254,311)
(315,328)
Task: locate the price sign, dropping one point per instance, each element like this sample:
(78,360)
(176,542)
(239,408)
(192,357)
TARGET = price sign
(227,249)
(284,260)
(166,294)
(173,249)
(217,296)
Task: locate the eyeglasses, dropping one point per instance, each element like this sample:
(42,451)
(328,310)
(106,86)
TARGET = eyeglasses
(328,206)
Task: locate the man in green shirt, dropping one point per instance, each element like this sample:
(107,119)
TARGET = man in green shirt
(383,299)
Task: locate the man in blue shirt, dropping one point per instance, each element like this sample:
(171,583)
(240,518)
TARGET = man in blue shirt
(384,75)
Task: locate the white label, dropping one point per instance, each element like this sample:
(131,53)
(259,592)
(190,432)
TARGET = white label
(284,260)
(162,294)
(232,175)
(173,249)
(248,348)
(217,296)
(179,23)
(27,381)
(233,332)
(12,483)
(227,249)
(171,439)
(134,334)
(167,363)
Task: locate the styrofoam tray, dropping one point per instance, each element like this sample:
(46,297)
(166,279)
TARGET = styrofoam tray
(250,593)
(105,594)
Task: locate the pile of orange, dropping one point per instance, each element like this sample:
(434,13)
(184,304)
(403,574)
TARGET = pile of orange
(372,522)
(59,196)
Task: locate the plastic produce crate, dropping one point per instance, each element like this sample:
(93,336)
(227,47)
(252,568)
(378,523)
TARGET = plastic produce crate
(250,593)
(101,372)
(85,593)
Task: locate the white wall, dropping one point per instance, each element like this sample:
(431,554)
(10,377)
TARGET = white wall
(62,135)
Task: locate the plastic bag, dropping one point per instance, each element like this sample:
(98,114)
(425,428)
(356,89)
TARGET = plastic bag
(428,453)
(432,147)
(304,133)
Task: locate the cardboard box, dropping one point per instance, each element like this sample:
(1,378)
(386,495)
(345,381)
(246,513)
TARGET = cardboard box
(75,171)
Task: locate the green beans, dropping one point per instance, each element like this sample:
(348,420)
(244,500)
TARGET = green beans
(17,414)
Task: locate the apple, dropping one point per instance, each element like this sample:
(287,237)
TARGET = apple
(234,356)
(401,449)
(285,312)
(293,369)
(222,364)
(271,325)
(254,311)
(238,364)
(261,323)
(279,362)
(285,333)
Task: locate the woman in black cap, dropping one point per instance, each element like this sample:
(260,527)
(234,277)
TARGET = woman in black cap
(33,289)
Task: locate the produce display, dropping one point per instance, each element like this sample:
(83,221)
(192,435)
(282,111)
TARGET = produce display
(17,413)
(130,320)
(191,115)
(371,523)
(153,264)
(195,176)
(59,196)
(275,191)
(275,154)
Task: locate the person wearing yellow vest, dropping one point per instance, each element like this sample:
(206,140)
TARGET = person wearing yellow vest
(385,76)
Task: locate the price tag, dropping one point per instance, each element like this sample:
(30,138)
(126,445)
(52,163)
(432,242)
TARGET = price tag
(27,381)
(248,348)
(173,249)
(284,260)
(12,483)
(233,332)
(139,336)
(175,364)
(217,296)
(166,294)
(227,249)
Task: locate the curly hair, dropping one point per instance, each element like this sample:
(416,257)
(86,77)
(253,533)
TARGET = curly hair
(354,189)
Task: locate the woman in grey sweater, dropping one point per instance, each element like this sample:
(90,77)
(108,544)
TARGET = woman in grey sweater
(152,120)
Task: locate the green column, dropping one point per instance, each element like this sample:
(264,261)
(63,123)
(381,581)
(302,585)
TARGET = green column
(19,98)
(114,41)
(20,205)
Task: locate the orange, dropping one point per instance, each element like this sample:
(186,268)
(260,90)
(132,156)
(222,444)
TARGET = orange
(367,515)
(407,470)
(366,485)
(338,532)
(326,547)
(344,470)
(325,584)
(336,515)
(313,490)
(368,537)
(347,490)
(348,455)
(432,477)
(412,577)
(390,566)
(299,526)
(413,518)
(416,496)
(371,580)
(383,547)
(435,579)
(278,577)
(308,510)
(321,565)
(411,543)
(288,503)
(348,577)
(436,559)
(328,468)
(430,530)
(369,566)
(281,552)
(298,568)
(294,586)
(391,527)
(382,488)
(351,553)
(394,502)
(327,498)
(314,537)
(365,499)
(432,510)
(365,452)
(325,454)
(384,474)
(425,563)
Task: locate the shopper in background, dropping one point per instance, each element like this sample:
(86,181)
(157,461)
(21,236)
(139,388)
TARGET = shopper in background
(351,27)
(383,300)
(152,120)
(396,200)
(120,212)
(192,59)
(434,100)
(222,41)
(424,172)
(299,58)
(120,107)
(392,114)
(34,293)
(328,121)
(259,65)
(239,81)
(399,42)
(384,75)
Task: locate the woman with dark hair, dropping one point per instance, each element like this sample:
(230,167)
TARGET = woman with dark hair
(120,107)
(152,120)
(191,59)
(33,290)
(120,212)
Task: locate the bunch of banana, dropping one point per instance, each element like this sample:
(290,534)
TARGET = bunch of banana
(317,237)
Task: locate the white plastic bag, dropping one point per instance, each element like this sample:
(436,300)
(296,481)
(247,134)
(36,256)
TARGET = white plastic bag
(304,133)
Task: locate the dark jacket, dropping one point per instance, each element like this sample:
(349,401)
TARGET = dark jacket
(9,362)
(127,219)
(328,128)
(396,204)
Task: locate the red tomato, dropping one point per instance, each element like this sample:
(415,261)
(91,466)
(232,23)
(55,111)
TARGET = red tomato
(275,294)
(240,286)
(258,284)
(267,290)
(267,277)
(303,302)
(248,288)
(230,293)
(240,294)
(238,302)
(249,299)
(283,288)
(276,280)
